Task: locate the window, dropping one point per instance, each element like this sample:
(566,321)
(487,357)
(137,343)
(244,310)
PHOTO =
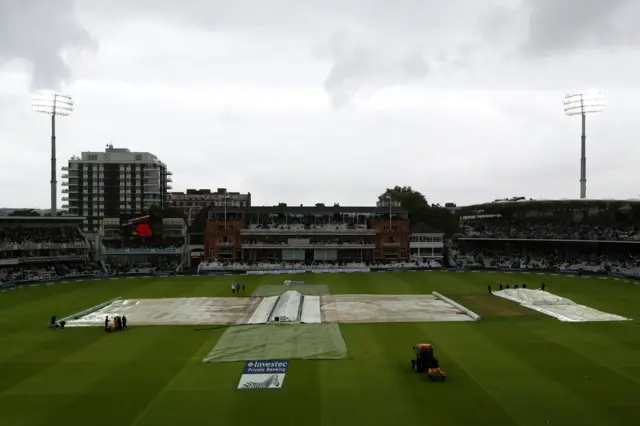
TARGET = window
(403,253)
(93,157)
(138,157)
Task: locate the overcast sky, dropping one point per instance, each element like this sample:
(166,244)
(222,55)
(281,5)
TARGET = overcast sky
(304,101)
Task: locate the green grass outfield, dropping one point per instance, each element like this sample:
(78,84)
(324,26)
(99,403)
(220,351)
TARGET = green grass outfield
(515,367)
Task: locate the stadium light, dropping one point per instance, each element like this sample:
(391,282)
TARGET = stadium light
(53,104)
(583,103)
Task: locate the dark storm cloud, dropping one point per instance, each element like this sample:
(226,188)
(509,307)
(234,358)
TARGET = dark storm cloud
(562,26)
(39,32)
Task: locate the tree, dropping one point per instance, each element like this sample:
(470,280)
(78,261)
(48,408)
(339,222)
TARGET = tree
(156,211)
(199,221)
(24,213)
(412,201)
(173,212)
(415,203)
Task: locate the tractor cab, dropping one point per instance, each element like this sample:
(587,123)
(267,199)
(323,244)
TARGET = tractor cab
(424,351)
(425,360)
(425,357)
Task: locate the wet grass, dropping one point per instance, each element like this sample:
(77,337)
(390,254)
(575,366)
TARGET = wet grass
(512,368)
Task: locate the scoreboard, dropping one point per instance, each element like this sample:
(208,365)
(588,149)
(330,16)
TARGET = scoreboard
(141,226)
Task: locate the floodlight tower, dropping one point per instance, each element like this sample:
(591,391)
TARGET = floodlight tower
(587,102)
(53,104)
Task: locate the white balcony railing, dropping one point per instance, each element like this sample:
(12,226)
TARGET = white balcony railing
(358,246)
(311,231)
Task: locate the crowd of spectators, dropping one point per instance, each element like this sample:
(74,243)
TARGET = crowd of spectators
(540,229)
(38,272)
(158,266)
(22,237)
(221,265)
(144,243)
(539,257)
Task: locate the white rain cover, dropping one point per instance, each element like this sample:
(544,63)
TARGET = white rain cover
(375,308)
(538,297)
(558,307)
(174,311)
(288,307)
(311,310)
(263,311)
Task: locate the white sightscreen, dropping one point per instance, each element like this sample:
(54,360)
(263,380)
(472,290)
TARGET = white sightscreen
(292,254)
(325,254)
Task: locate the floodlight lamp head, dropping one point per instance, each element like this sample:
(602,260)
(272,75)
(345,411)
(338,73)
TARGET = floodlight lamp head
(53,103)
(586,102)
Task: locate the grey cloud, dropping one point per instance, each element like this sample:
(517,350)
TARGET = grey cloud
(358,67)
(558,26)
(40,32)
(409,16)
(371,44)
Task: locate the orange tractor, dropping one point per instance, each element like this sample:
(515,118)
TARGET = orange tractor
(425,361)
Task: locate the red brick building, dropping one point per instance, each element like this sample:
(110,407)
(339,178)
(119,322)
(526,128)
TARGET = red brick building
(308,234)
